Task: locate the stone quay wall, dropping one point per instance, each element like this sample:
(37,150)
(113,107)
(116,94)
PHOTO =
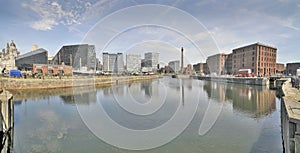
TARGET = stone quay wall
(249,81)
(290,118)
(48,83)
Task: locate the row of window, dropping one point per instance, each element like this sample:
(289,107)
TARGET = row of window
(268,54)
(261,64)
(267,65)
(268,49)
(268,59)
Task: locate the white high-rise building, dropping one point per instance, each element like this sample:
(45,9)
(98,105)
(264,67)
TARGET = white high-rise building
(133,63)
(113,63)
(152,60)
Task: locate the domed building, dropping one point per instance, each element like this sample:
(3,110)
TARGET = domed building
(8,56)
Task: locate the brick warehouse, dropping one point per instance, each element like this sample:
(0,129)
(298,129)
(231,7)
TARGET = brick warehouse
(260,58)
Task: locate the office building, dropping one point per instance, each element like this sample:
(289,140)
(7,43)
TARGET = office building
(260,58)
(80,57)
(199,67)
(151,61)
(291,68)
(174,66)
(26,61)
(113,63)
(133,63)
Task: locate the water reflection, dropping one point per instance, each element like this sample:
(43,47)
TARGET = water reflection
(257,101)
(86,98)
(123,102)
(41,127)
(86,95)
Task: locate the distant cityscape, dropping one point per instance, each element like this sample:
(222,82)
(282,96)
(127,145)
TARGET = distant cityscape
(258,58)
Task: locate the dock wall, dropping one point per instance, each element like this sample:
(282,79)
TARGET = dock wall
(249,81)
(290,118)
(48,83)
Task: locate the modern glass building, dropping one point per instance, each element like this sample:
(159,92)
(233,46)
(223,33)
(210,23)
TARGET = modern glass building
(152,60)
(80,57)
(26,61)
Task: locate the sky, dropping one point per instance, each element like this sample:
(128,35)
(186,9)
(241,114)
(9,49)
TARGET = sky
(202,27)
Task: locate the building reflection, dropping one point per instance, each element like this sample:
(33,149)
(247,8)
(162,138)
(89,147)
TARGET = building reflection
(81,95)
(256,101)
(86,98)
(215,90)
(114,90)
(146,88)
(143,89)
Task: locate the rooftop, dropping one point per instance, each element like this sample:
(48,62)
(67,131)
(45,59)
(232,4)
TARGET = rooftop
(38,51)
(258,43)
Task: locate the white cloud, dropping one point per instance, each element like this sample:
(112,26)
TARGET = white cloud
(52,13)
(43,24)
(47,13)
(97,9)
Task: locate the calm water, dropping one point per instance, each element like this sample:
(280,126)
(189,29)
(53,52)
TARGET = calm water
(249,119)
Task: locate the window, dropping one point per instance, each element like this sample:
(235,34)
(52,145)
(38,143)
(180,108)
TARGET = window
(252,64)
(252,58)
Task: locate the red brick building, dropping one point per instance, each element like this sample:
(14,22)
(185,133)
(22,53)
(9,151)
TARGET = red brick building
(52,69)
(260,58)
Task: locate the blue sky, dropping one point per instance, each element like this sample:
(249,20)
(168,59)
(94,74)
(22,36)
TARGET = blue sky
(223,25)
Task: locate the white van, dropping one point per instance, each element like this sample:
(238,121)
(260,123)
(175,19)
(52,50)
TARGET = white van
(298,78)
(298,73)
